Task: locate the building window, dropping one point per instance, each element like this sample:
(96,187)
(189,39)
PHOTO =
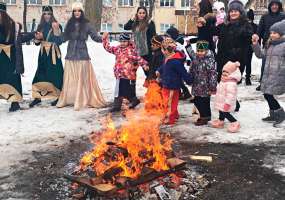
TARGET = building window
(34,2)
(107,3)
(185,3)
(105,27)
(57,2)
(144,3)
(166,3)
(164,27)
(126,3)
(10,2)
(121,27)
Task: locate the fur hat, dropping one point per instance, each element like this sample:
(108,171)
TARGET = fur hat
(279,27)
(218,5)
(157,40)
(172,32)
(278,2)
(3,6)
(124,37)
(169,43)
(77,6)
(47,9)
(230,67)
(236,5)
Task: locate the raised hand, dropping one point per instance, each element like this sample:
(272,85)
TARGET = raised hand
(105,35)
(254,39)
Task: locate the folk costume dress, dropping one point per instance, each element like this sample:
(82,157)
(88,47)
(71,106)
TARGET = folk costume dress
(48,80)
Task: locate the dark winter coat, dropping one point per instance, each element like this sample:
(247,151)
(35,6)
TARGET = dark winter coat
(234,42)
(205,7)
(207,32)
(173,72)
(149,33)
(268,19)
(273,79)
(19,40)
(77,48)
(156,61)
(204,75)
(50,36)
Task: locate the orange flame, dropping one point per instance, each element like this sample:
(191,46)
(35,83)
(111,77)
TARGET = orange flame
(138,136)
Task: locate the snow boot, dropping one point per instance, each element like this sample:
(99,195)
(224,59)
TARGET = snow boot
(234,127)
(237,106)
(202,121)
(270,118)
(217,123)
(279,116)
(248,81)
(14,107)
(54,102)
(134,102)
(117,105)
(35,102)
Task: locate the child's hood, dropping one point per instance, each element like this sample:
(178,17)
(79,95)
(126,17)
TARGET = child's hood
(236,75)
(178,56)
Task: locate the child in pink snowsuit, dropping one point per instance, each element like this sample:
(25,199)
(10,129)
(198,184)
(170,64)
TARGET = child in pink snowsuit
(226,97)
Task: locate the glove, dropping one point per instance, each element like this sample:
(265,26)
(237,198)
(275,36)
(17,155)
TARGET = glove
(227,107)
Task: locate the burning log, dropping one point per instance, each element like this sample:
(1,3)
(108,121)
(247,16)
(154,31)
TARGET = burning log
(111,173)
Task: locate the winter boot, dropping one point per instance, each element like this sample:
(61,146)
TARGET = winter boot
(117,105)
(237,106)
(134,102)
(35,102)
(217,123)
(14,107)
(248,81)
(54,102)
(202,121)
(234,127)
(258,88)
(279,116)
(270,118)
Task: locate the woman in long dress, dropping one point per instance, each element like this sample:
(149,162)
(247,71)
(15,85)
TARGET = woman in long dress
(80,86)
(48,79)
(11,59)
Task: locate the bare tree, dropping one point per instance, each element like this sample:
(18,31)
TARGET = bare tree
(93,10)
(25,16)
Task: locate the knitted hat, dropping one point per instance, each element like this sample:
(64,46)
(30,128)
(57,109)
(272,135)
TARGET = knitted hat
(218,5)
(124,37)
(202,45)
(168,43)
(279,27)
(172,32)
(236,5)
(250,15)
(47,9)
(3,6)
(230,67)
(77,6)
(157,40)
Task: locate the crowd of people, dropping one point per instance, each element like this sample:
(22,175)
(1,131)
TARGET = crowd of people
(225,43)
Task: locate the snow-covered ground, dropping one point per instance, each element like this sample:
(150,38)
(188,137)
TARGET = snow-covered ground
(46,127)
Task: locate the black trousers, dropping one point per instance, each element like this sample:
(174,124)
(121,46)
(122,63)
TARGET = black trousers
(203,106)
(226,115)
(184,88)
(248,63)
(272,102)
(127,88)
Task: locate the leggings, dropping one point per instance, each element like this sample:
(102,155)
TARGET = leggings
(226,115)
(272,102)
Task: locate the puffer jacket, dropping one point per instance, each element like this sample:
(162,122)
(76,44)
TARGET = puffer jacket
(127,60)
(227,92)
(204,75)
(173,72)
(273,80)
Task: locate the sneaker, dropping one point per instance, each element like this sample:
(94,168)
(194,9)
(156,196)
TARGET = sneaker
(279,116)
(217,123)
(14,107)
(234,127)
(35,102)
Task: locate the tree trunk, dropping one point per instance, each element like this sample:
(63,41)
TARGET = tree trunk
(93,11)
(25,16)
(151,8)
